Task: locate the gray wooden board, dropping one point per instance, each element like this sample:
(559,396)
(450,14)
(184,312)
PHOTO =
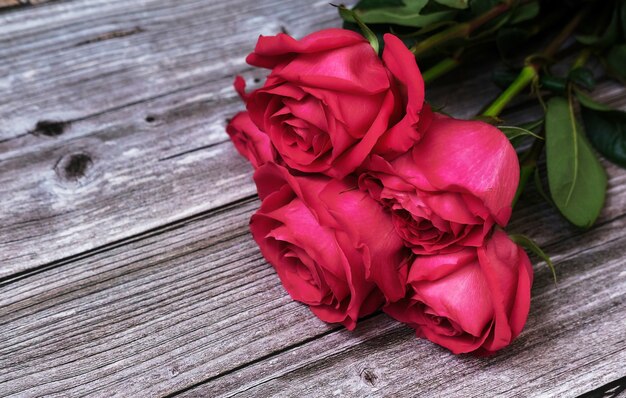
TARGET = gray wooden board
(194,300)
(142,134)
(122,162)
(128,269)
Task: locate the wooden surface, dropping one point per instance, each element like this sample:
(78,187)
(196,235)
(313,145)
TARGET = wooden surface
(126,265)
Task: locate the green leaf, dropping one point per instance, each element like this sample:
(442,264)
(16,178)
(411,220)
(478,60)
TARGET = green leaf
(576,178)
(410,14)
(529,244)
(371,4)
(609,37)
(513,132)
(590,103)
(606,129)
(480,7)
(582,77)
(369,35)
(555,84)
(459,4)
(616,60)
(524,13)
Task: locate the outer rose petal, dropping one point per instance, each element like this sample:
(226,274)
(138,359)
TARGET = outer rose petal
(354,69)
(473,300)
(401,64)
(430,220)
(508,272)
(471,156)
(250,142)
(319,260)
(330,100)
(273,50)
(369,225)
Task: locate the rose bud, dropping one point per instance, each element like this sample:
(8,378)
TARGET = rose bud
(250,142)
(450,188)
(472,300)
(322,236)
(330,100)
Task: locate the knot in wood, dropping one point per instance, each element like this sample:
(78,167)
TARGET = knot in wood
(369,377)
(73,167)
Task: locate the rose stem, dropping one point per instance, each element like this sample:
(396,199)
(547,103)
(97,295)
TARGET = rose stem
(529,162)
(459,31)
(442,67)
(530,72)
(450,63)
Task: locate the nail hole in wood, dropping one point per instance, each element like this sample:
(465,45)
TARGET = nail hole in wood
(150,118)
(50,128)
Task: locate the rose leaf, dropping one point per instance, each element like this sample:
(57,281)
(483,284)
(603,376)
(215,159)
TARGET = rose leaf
(576,178)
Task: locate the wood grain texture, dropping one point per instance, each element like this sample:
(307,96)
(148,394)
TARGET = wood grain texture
(144,143)
(126,265)
(131,157)
(74,59)
(194,303)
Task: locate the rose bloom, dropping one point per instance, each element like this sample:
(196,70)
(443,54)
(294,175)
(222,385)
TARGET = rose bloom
(447,191)
(250,142)
(323,237)
(472,300)
(330,101)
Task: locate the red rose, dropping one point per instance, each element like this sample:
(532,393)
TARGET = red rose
(250,142)
(330,100)
(473,300)
(450,188)
(322,236)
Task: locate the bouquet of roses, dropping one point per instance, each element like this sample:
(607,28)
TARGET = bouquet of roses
(371,199)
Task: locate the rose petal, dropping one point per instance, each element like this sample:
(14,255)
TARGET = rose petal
(469,156)
(250,142)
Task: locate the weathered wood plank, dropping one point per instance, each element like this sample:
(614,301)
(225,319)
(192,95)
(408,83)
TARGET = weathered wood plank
(195,301)
(84,180)
(123,172)
(147,317)
(152,283)
(92,178)
(68,60)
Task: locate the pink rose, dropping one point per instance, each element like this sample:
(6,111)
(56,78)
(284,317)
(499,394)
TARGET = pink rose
(250,142)
(472,300)
(330,100)
(450,188)
(323,236)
